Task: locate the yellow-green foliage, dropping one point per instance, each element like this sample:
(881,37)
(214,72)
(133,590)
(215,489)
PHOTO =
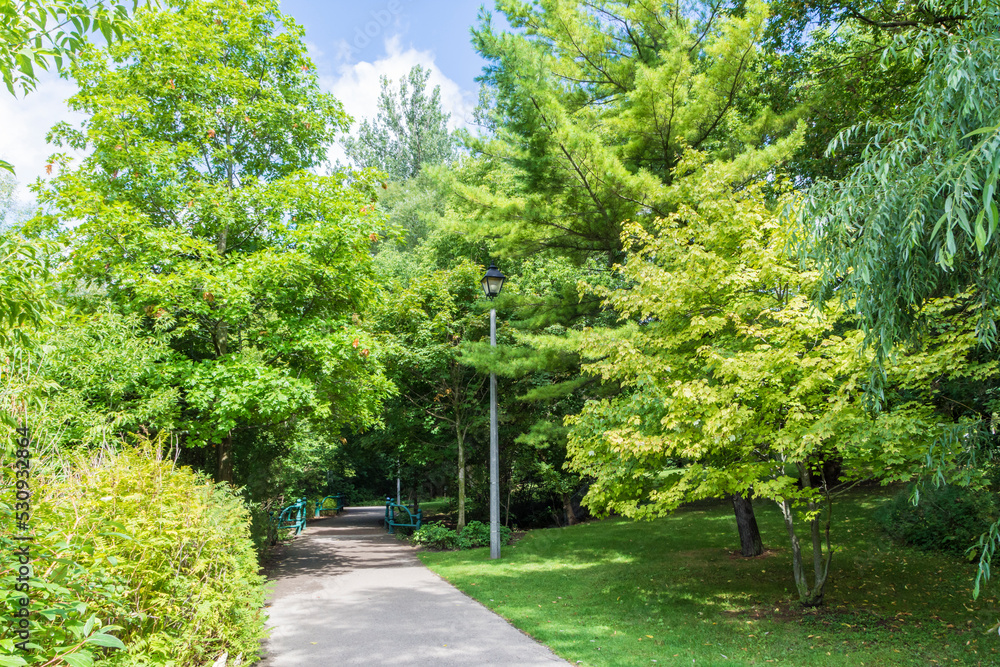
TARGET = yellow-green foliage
(126,539)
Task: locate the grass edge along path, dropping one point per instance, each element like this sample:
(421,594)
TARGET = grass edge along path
(675,591)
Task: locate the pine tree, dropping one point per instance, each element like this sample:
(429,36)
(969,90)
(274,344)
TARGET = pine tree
(410,130)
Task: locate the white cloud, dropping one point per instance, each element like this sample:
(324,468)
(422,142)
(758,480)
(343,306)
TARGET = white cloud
(357,86)
(24,122)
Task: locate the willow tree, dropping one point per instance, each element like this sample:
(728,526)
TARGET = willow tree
(917,219)
(195,210)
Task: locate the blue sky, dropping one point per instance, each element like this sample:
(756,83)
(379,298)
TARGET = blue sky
(353,43)
(437,26)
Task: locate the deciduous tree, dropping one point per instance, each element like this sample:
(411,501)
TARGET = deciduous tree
(194,210)
(733,383)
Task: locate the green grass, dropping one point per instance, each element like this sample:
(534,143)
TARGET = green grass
(368,502)
(676,592)
(436,506)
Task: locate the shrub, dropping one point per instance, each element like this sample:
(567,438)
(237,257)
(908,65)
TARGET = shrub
(947,518)
(263,531)
(436,536)
(475,534)
(127,545)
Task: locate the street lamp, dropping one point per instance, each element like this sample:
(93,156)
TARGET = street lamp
(492,283)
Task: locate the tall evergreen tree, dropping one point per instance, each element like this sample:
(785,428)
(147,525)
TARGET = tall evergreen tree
(409,131)
(591,106)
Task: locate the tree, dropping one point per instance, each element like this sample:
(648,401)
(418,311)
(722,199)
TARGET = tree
(734,384)
(43,33)
(195,212)
(917,217)
(915,221)
(410,130)
(542,384)
(591,106)
(94,378)
(428,315)
(25,298)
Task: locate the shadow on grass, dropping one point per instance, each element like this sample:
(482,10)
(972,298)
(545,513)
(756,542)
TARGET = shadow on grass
(624,586)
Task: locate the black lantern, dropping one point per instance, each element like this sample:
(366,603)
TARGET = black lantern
(492,282)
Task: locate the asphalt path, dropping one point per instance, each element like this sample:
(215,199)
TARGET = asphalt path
(347,593)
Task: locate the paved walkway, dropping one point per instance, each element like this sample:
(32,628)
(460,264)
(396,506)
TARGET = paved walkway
(346,593)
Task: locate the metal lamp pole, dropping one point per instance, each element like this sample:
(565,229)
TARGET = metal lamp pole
(494,452)
(492,284)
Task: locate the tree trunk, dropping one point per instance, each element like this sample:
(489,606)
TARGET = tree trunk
(797,572)
(461,482)
(809,596)
(568,508)
(225,459)
(746,523)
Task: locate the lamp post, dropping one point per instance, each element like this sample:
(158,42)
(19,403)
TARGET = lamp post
(492,283)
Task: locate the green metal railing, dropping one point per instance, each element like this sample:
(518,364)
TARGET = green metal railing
(293,517)
(400,516)
(338,499)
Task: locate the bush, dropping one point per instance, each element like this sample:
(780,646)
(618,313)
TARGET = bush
(475,534)
(128,546)
(436,536)
(263,531)
(947,518)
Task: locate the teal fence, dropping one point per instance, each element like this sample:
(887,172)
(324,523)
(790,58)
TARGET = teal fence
(338,500)
(293,517)
(400,516)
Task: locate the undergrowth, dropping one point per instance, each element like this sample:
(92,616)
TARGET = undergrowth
(127,546)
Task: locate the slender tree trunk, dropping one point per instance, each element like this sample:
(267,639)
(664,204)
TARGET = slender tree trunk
(817,549)
(510,491)
(461,480)
(809,596)
(568,508)
(746,524)
(800,577)
(220,338)
(225,459)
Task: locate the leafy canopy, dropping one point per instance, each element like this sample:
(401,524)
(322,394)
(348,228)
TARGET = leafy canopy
(410,130)
(193,211)
(918,217)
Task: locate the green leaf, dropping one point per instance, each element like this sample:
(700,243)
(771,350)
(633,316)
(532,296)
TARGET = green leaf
(982,130)
(79,659)
(103,639)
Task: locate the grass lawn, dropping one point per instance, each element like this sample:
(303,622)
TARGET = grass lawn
(676,592)
(436,506)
